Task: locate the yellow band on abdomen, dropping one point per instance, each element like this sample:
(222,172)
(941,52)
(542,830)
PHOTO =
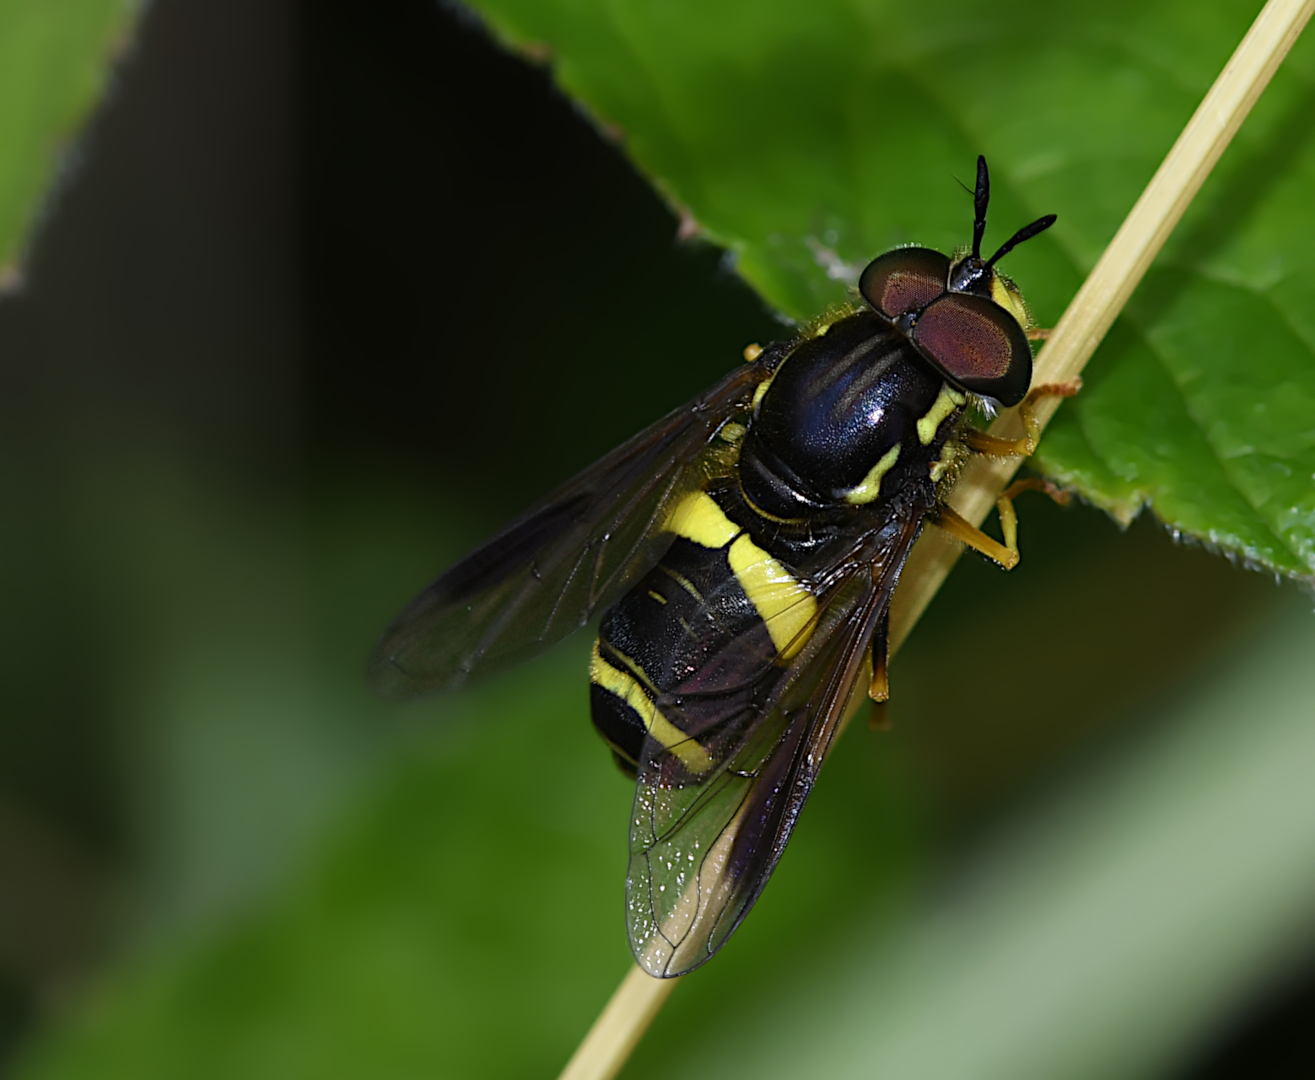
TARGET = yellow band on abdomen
(784,605)
(627,688)
(700,519)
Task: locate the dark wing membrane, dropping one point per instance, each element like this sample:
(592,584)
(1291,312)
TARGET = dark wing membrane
(703,844)
(575,552)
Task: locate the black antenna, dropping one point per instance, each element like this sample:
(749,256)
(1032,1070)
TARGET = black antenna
(1040,225)
(980,199)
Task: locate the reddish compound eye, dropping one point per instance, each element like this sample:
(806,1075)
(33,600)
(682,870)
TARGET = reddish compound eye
(976,344)
(904,280)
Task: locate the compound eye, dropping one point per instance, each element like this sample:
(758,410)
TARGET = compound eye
(977,345)
(904,280)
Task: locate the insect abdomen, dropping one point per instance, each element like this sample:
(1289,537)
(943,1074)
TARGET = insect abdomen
(667,639)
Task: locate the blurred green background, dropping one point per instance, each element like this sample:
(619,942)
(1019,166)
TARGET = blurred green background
(326,294)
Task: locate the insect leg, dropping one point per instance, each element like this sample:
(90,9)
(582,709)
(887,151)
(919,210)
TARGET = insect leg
(1005,554)
(1009,517)
(994,446)
(879,687)
(962,529)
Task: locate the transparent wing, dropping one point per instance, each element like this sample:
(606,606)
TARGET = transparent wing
(703,844)
(573,553)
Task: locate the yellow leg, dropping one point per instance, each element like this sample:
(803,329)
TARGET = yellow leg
(995,446)
(962,529)
(1004,506)
(1037,334)
(879,687)
(1005,554)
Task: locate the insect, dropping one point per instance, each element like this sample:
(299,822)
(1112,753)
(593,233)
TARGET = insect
(742,552)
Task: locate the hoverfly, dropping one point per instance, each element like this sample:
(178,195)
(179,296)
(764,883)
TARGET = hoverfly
(743,551)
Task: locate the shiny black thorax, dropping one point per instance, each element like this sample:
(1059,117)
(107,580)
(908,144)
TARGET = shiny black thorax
(838,403)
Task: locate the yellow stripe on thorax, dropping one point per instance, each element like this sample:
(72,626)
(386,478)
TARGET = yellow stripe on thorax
(784,605)
(946,402)
(870,487)
(700,519)
(627,688)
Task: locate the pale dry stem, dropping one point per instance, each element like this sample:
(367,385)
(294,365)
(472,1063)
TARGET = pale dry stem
(619,1026)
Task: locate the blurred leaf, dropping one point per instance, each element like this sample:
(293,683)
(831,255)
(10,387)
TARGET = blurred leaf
(447,903)
(1104,932)
(807,137)
(466,921)
(53,56)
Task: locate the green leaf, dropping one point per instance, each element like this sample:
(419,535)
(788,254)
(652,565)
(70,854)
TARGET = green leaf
(807,137)
(53,57)
(397,950)
(467,920)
